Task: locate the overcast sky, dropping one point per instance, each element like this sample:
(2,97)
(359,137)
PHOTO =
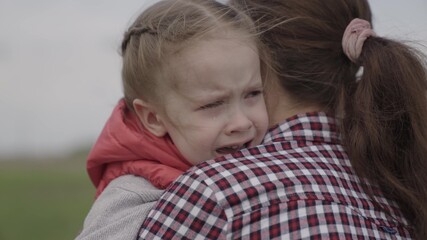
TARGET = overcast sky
(60,67)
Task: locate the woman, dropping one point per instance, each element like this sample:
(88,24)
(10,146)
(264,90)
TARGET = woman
(346,157)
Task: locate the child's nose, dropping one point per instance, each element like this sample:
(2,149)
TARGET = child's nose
(239,122)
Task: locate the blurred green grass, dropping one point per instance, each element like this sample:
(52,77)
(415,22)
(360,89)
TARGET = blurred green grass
(44,200)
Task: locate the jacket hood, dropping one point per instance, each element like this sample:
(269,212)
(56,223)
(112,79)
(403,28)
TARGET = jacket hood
(126,147)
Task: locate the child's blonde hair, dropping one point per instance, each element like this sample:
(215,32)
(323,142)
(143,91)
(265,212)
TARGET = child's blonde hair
(167,27)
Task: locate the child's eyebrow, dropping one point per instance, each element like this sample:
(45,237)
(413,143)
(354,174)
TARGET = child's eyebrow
(213,96)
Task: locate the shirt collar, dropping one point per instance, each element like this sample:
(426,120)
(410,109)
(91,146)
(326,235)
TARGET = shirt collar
(312,126)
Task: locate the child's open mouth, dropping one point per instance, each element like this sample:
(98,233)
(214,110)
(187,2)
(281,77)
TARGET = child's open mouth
(231,149)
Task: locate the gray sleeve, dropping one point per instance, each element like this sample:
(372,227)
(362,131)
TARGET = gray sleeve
(119,211)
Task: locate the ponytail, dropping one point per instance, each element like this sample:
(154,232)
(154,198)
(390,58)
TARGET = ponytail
(385,125)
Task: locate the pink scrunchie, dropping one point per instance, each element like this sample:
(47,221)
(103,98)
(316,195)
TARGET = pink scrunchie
(357,31)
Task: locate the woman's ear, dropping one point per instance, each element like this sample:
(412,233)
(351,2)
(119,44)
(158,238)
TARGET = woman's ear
(149,117)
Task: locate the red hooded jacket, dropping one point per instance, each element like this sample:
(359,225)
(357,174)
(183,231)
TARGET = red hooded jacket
(126,147)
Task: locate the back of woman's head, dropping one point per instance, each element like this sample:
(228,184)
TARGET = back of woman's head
(165,29)
(384,127)
(305,41)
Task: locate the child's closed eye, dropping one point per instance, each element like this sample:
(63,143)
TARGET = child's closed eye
(254,94)
(211,105)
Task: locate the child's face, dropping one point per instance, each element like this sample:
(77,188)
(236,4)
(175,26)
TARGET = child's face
(214,105)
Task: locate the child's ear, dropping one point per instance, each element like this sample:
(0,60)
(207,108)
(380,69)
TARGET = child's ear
(149,117)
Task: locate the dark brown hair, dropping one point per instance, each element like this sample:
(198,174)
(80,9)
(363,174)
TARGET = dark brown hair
(384,123)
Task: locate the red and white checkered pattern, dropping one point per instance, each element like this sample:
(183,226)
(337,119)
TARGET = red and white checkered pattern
(298,185)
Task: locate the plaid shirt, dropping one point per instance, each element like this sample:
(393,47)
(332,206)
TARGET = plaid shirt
(298,185)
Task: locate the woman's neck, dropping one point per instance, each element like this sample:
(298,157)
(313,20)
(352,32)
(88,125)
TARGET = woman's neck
(282,105)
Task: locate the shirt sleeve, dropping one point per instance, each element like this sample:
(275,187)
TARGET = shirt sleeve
(188,210)
(120,210)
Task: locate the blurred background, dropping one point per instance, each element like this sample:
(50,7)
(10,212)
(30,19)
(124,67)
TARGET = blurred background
(59,81)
